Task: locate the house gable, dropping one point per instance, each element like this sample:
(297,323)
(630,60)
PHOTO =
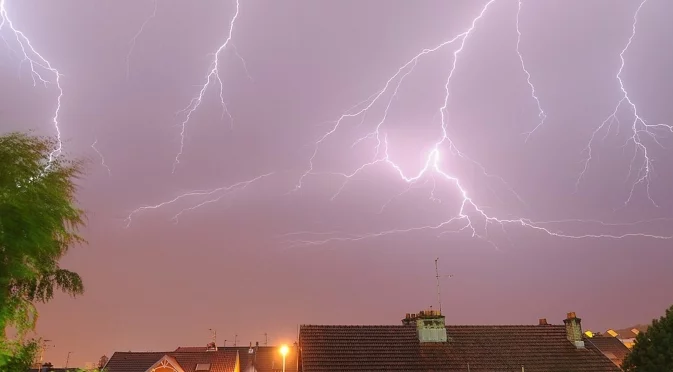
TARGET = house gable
(166,364)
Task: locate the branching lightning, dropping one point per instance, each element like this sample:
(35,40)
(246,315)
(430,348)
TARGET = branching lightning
(213,75)
(640,130)
(212,196)
(541,114)
(100,155)
(470,215)
(469,212)
(38,67)
(132,43)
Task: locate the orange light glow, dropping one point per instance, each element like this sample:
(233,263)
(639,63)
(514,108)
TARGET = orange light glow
(284,350)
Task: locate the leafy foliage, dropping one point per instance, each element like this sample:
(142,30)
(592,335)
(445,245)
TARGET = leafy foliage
(102,361)
(17,357)
(38,223)
(653,350)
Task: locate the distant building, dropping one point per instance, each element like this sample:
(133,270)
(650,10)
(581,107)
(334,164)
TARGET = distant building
(628,335)
(48,367)
(424,343)
(205,359)
(611,347)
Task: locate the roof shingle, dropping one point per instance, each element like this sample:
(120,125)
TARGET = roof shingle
(141,361)
(611,347)
(542,348)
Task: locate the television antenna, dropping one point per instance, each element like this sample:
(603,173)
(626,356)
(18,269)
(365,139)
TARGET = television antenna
(67,359)
(439,293)
(43,346)
(214,336)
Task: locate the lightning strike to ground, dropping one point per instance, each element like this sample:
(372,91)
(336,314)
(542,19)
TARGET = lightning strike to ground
(39,68)
(469,212)
(213,75)
(640,130)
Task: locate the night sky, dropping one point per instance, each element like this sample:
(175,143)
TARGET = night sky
(266,256)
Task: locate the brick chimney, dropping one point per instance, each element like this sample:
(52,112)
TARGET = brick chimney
(574,330)
(430,325)
(543,321)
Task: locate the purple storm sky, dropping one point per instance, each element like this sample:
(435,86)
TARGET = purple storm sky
(242,265)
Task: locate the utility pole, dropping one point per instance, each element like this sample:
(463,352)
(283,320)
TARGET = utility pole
(439,293)
(67,359)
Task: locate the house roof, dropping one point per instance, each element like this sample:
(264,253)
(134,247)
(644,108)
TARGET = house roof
(611,347)
(483,348)
(141,361)
(263,359)
(268,359)
(626,333)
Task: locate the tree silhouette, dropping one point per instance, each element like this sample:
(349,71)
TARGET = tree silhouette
(102,361)
(38,224)
(653,350)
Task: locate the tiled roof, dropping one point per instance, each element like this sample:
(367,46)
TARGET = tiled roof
(190,348)
(141,361)
(611,347)
(264,358)
(268,359)
(538,348)
(628,332)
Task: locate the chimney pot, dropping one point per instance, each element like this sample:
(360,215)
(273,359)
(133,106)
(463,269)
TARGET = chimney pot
(543,321)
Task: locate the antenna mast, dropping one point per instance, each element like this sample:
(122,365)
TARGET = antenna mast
(43,346)
(214,334)
(67,359)
(439,293)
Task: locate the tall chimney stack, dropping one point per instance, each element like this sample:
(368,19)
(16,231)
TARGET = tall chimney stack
(430,325)
(574,330)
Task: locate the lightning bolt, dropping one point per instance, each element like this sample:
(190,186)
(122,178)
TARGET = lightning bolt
(469,211)
(134,40)
(469,215)
(100,155)
(541,114)
(213,195)
(39,66)
(640,129)
(213,75)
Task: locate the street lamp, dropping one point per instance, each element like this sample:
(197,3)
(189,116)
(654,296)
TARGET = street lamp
(284,350)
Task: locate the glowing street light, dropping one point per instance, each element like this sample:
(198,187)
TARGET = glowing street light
(284,350)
